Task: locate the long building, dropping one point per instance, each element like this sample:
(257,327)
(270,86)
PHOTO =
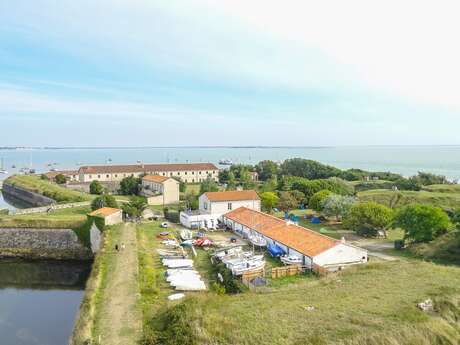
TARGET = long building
(313,248)
(187,172)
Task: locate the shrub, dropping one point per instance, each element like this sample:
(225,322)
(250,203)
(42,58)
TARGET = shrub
(96,188)
(422,223)
(60,179)
(130,185)
(317,200)
(105,200)
(368,218)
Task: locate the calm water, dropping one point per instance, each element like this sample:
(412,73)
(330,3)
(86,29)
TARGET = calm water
(406,160)
(39,301)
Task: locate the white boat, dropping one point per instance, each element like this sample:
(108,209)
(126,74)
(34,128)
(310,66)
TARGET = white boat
(257,241)
(2,168)
(177,263)
(248,266)
(181,276)
(191,286)
(228,252)
(225,162)
(186,234)
(170,243)
(291,260)
(230,264)
(244,256)
(176,296)
(173,271)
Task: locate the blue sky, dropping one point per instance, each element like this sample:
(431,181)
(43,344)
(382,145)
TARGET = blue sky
(228,72)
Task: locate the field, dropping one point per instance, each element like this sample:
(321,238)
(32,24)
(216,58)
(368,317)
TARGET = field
(65,218)
(445,197)
(48,189)
(373,304)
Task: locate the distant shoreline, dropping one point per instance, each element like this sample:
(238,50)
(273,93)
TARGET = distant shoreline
(203,147)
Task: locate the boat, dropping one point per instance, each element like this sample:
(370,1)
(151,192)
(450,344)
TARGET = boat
(177,263)
(231,263)
(191,286)
(186,234)
(228,252)
(291,260)
(225,162)
(13,166)
(176,296)
(2,169)
(248,266)
(257,240)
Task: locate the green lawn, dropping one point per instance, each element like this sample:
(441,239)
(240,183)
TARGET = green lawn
(373,304)
(49,189)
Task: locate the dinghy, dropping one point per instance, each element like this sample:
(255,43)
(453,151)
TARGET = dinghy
(257,241)
(248,266)
(291,260)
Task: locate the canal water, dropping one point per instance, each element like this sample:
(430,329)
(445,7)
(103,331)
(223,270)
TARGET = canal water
(39,301)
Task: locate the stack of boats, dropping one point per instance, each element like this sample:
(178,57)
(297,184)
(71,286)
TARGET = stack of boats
(239,262)
(180,273)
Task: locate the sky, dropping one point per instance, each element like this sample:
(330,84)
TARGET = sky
(229,72)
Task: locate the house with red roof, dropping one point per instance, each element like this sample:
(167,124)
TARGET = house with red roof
(313,248)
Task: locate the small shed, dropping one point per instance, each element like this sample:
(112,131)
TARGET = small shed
(110,215)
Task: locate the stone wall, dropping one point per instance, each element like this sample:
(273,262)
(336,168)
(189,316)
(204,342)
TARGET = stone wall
(51,208)
(33,243)
(112,187)
(31,198)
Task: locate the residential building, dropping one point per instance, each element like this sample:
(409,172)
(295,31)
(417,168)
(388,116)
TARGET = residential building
(70,175)
(212,205)
(160,190)
(313,248)
(187,172)
(110,215)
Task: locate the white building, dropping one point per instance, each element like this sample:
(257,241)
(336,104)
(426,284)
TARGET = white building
(212,205)
(160,190)
(187,172)
(313,248)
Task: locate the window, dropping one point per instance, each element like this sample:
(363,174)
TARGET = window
(205,205)
(193,180)
(98,176)
(107,176)
(229,206)
(164,174)
(178,173)
(170,174)
(199,172)
(116,175)
(193,173)
(185,173)
(90,176)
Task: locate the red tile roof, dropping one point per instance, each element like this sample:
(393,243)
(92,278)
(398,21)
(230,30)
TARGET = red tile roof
(53,174)
(145,168)
(235,195)
(303,240)
(104,212)
(155,178)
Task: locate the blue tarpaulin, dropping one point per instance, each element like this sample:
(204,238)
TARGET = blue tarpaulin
(315,220)
(275,250)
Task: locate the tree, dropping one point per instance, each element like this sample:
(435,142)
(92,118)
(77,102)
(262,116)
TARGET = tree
(60,179)
(135,206)
(246,180)
(268,200)
(95,187)
(270,185)
(191,201)
(182,185)
(368,218)
(309,169)
(298,196)
(208,185)
(337,205)
(426,179)
(422,223)
(130,185)
(267,169)
(316,201)
(456,218)
(231,181)
(286,201)
(104,200)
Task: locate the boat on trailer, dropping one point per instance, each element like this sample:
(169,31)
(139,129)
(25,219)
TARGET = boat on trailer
(248,266)
(257,240)
(291,260)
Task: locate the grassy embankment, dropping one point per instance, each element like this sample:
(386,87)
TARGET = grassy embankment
(49,189)
(92,300)
(65,218)
(373,304)
(444,196)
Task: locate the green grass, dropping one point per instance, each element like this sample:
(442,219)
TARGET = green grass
(443,188)
(65,218)
(374,304)
(396,199)
(88,314)
(49,189)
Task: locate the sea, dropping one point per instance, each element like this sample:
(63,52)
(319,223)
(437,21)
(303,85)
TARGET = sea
(406,160)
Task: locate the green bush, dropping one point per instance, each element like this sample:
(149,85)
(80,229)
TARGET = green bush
(171,215)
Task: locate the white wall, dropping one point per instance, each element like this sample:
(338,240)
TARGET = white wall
(198,220)
(221,207)
(341,255)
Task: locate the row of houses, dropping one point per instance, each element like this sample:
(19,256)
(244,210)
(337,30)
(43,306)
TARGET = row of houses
(187,172)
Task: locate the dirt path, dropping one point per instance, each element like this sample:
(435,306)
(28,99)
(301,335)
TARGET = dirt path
(121,319)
